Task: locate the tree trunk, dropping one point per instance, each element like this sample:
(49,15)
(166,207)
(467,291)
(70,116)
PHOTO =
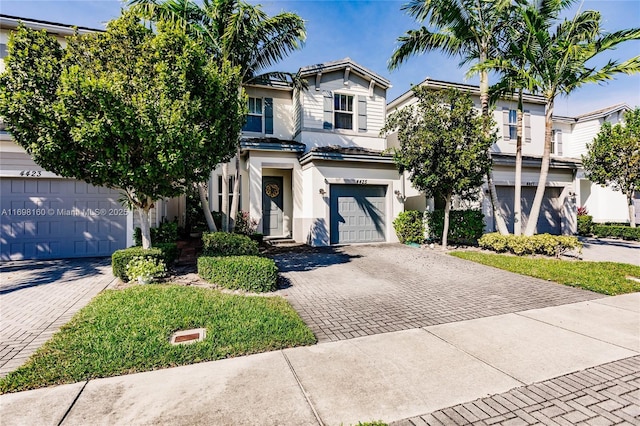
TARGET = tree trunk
(224,208)
(517,201)
(544,171)
(206,208)
(500,224)
(236,194)
(632,210)
(145,227)
(445,230)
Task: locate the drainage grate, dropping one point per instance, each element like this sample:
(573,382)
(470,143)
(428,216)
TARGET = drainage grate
(185,337)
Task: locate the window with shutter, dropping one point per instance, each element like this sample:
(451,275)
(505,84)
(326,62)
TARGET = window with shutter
(343,111)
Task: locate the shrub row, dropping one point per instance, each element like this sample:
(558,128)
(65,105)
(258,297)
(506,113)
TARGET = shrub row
(624,232)
(226,244)
(167,232)
(546,244)
(167,253)
(465,226)
(252,273)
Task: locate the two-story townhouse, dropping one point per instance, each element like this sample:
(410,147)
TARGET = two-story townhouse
(46,216)
(558,209)
(571,137)
(312,162)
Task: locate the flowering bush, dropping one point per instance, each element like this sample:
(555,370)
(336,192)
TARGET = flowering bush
(145,269)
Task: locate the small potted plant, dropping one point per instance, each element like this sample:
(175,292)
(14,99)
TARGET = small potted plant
(145,270)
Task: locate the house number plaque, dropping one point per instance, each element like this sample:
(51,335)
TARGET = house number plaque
(272,190)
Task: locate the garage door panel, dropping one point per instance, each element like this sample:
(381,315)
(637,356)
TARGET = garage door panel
(357,213)
(70,219)
(550,218)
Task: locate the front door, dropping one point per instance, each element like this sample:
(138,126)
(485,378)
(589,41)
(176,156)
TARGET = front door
(272,206)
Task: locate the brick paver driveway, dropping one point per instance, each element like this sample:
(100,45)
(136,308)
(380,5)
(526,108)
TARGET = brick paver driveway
(37,298)
(360,290)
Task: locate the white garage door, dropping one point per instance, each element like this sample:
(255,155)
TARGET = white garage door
(357,213)
(59,218)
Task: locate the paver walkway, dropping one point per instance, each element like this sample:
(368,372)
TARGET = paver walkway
(360,290)
(37,298)
(604,395)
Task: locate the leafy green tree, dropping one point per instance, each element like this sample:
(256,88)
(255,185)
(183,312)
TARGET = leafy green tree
(469,29)
(146,112)
(559,59)
(613,158)
(443,145)
(246,36)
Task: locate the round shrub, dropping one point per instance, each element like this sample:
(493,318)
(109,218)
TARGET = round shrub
(250,273)
(409,227)
(121,258)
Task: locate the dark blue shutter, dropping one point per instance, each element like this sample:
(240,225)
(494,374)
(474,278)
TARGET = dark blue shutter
(328,111)
(268,116)
(362,113)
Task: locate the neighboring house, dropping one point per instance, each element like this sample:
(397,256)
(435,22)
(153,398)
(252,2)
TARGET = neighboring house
(45,216)
(312,162)
(573,134)
(566,187)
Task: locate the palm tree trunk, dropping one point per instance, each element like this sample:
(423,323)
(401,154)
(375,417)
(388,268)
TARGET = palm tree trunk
(236,194)
(517,201)
(206,208)
(224,208)
(632,210)
(445,230)
(544,171)
(500,224)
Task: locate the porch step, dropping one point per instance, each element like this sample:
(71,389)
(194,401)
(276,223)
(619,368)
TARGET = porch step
(280,241)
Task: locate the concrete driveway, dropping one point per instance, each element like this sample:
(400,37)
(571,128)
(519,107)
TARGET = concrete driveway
(361,290)
(610,250)
(38,297)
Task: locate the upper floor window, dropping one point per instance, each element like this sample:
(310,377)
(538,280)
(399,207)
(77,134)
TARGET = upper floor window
(3,51)
(254,117)
(343,111)
(513,124)
(510,123)
(259,116)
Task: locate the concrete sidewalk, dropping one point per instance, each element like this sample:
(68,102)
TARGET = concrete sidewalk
(388,377)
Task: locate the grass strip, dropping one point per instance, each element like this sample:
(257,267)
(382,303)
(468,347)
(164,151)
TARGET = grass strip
(601,277)
(128,331)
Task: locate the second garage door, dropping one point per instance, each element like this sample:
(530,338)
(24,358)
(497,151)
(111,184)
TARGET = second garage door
(550,218)
(358,213)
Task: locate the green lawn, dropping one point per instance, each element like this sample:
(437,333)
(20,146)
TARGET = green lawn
(602,277)
(127,331)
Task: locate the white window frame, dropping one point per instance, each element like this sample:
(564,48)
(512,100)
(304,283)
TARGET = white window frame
(513,125)
(337,110)
(255,113)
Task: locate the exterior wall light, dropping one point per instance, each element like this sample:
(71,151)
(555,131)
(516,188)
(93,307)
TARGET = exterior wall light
(322,191)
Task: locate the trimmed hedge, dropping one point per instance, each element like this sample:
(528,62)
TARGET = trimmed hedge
(409,227)
(585,225)
(166,252)
(226,244)
(167,232)
(251,273)
(546,244)
(624,232)
(465,226)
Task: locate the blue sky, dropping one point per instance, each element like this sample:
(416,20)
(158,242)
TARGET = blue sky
(366,31)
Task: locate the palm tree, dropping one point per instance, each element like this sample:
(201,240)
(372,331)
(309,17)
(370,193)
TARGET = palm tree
(558,57)
(248,38)
(465,28)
